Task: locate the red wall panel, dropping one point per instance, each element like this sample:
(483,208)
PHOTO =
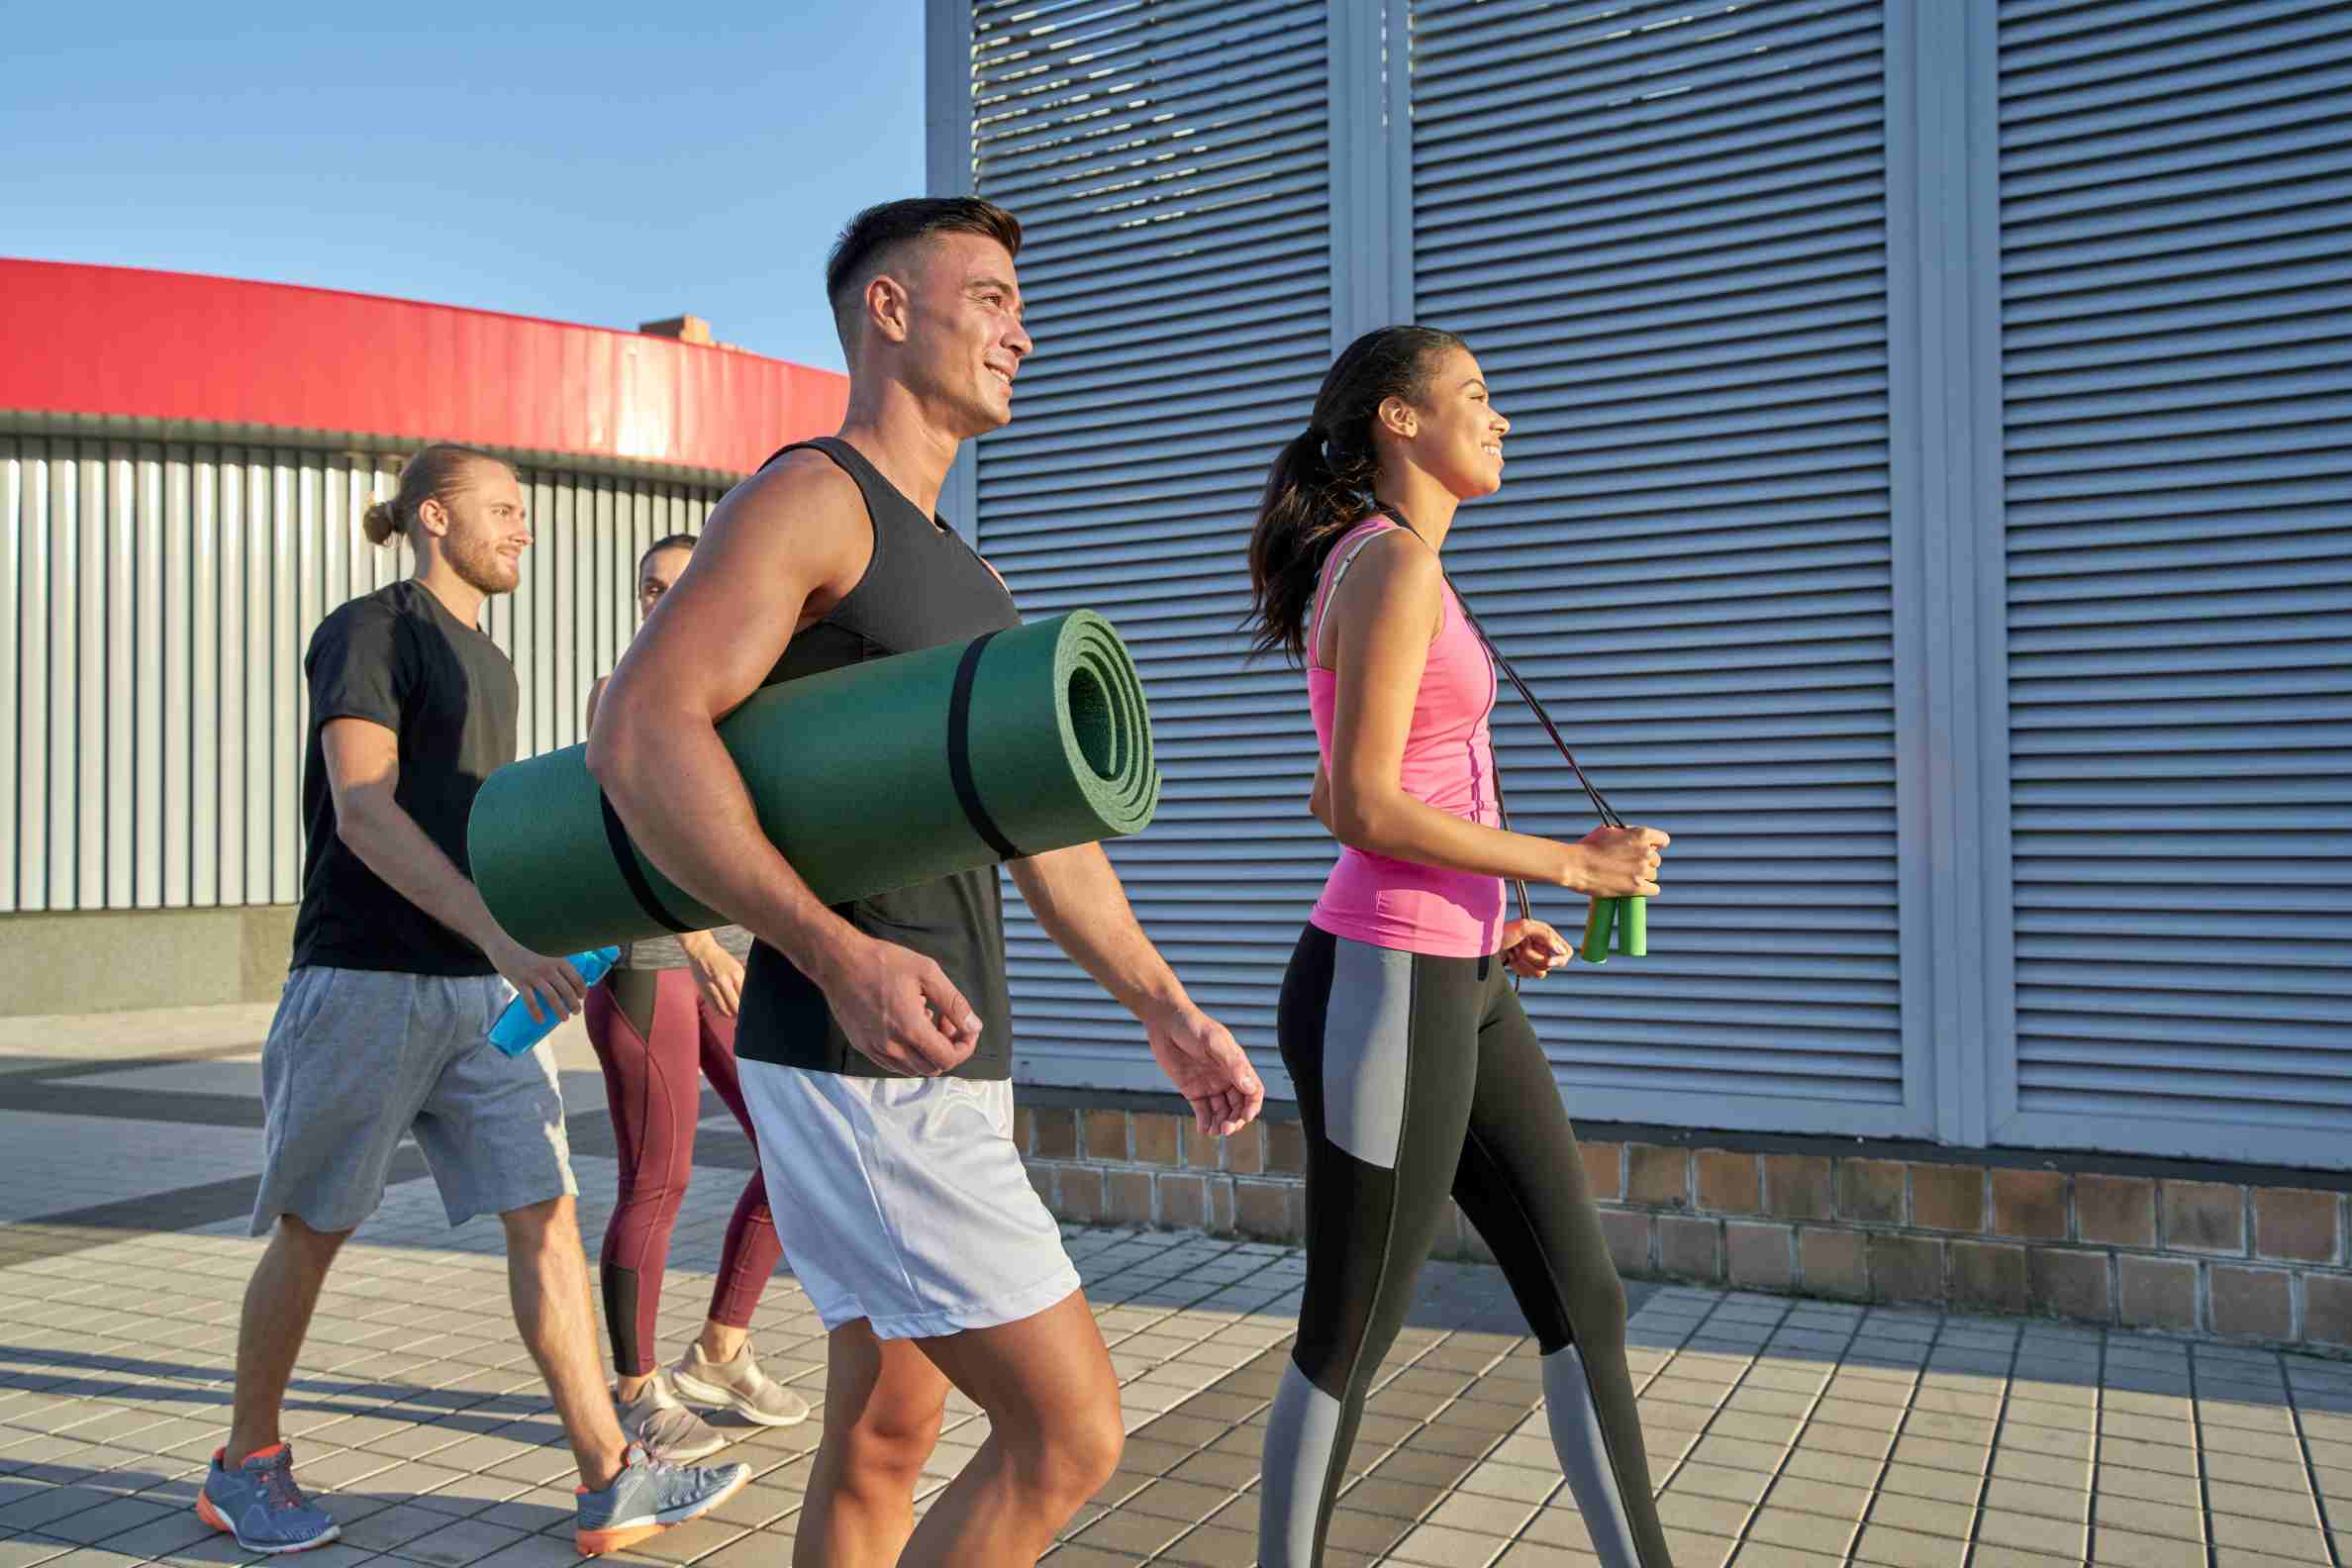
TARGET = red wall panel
(121,341)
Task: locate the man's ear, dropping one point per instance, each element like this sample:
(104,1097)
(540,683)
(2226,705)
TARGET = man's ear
(888,307)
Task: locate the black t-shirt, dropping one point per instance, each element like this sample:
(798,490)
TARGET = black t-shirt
(399,658)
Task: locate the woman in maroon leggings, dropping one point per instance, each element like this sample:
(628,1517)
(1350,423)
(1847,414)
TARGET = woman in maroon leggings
(661,1023)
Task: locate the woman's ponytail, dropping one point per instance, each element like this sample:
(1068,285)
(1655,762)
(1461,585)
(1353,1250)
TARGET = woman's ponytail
(1321,484)
(1295,528)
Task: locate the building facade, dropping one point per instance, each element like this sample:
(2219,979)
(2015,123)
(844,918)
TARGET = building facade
(183,466)
(1929,498)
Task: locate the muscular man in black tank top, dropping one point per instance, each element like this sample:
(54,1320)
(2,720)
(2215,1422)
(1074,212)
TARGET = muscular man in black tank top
(875,1037)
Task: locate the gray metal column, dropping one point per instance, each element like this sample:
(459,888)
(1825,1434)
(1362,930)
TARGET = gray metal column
(1944,328)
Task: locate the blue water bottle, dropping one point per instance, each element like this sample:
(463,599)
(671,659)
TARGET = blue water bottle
(516,1031)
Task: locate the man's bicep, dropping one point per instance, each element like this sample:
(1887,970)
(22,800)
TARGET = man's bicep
(769,551)
(362,759)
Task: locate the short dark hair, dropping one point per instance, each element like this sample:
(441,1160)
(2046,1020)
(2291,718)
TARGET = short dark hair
(889,224)
(684,541)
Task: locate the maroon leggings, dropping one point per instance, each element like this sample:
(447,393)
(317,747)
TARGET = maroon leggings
(650,1056)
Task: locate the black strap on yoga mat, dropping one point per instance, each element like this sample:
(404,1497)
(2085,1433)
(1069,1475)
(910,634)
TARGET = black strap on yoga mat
(625,856)
(959,752)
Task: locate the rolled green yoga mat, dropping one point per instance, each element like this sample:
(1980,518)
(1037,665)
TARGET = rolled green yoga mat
(877,777)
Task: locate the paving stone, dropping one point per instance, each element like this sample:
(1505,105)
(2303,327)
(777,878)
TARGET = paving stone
(1441,1547)
(1797,1529)
(457,1544)
(1902,1548)
(28,1550)
(2233,1473)
(1721,1481)
(1769,1554)
(2013,1557)
(395,1527)
(1136,1533)
(91,1526)
(2066,1504)
(2031,1532)
(1922,1515)
(2295,1537)
(1699,1551)
(1928,1481)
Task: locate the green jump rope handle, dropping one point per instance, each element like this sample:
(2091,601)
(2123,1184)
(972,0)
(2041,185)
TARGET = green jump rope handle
(1617,924)
(1632,927)
(1599,920)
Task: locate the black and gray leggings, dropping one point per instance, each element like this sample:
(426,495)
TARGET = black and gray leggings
(1419,1079)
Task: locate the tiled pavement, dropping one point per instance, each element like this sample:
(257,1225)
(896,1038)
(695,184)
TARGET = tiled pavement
(1783,1433)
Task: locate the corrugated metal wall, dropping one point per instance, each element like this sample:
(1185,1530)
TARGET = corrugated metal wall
(1168,166)
(155,599)
(1663,230)
(1733,270)
(2176,234)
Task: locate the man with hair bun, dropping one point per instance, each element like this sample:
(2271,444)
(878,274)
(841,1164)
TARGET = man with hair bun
(874,1041)
(382,1032)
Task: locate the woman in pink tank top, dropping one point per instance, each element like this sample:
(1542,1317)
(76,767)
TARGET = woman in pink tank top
(1420,1078)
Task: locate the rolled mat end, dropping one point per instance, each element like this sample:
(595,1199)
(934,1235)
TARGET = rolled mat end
(868,779)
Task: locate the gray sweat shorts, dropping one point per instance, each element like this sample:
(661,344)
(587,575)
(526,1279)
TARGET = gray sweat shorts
(358,1059)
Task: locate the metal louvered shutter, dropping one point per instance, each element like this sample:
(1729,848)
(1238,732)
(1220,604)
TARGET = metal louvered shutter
(1662,228)
(156,602)
(2176,185)
(1167,161)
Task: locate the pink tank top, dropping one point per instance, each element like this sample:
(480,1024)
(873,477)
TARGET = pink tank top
(1448,763)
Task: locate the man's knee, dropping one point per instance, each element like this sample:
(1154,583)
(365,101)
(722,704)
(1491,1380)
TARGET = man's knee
(1070,1457)
(541,1224)
(885,1449)
(315,1245)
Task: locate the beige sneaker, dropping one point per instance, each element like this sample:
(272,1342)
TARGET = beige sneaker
(738,1385)
(669,1432)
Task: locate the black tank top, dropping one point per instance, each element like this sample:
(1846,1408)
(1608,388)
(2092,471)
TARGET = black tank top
(924,587)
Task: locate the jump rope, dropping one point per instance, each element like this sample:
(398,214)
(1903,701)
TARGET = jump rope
(1618,925)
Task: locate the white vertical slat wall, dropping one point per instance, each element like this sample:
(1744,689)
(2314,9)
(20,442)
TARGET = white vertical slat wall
(2176,255)
(1168,163)
(1662,228)
(155,599)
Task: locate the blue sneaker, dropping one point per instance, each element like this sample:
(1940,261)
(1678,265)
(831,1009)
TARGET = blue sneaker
(647,1497)
(259,1503)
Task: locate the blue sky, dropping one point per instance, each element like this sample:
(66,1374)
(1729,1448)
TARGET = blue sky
(546,162)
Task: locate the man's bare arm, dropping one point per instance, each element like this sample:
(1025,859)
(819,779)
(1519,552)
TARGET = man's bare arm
(1077,897)
(363,775)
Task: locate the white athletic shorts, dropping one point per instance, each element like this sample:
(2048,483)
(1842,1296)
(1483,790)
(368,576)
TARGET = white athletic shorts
(902,1201)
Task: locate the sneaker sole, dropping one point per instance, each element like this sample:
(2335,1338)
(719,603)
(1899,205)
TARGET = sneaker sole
(212,1515)
(615,1538)
(709,1394)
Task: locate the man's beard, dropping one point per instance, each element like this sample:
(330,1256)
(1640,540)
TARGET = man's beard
(483,569)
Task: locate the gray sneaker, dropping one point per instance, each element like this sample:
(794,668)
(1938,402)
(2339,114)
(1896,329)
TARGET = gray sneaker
(646,1498)
(670,1433)
(738,1385)
(259,1503)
